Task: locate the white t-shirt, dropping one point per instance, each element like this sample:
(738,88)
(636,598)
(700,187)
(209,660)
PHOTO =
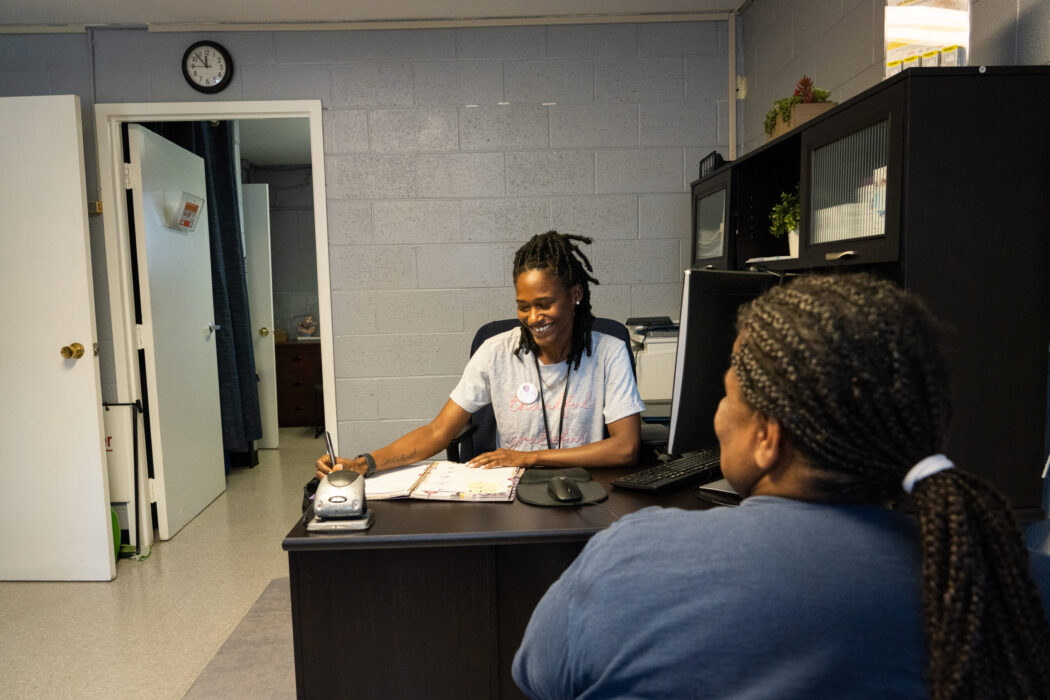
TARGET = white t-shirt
(601,391)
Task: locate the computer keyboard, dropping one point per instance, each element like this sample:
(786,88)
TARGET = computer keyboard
(702,466)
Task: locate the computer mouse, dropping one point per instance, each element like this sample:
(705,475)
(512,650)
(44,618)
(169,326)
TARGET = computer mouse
(564,490)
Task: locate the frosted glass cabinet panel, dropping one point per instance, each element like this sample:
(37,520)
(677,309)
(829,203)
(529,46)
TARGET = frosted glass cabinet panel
(848,186)
(851,183)
(711,244)
(710,225)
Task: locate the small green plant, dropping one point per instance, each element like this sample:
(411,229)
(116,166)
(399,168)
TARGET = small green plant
(784,216)
(804,94)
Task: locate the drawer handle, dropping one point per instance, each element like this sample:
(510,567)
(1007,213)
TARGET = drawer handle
(297,358)
(298,382)
(844,255)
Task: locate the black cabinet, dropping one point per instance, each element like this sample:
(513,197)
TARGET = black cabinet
(939,179)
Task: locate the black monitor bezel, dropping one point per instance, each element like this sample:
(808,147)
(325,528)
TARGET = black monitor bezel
(702,356)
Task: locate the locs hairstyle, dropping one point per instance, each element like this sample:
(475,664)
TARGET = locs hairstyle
(559,255)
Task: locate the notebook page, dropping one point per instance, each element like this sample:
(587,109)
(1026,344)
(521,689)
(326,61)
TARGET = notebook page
(393,483)
(449,481)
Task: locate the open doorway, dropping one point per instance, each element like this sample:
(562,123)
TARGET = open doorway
(275,166)
(127,336)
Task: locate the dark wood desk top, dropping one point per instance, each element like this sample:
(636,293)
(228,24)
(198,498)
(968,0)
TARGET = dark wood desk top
(418,523)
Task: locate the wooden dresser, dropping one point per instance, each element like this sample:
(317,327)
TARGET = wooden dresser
(299,398)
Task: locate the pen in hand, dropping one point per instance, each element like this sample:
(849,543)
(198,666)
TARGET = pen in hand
(331,449)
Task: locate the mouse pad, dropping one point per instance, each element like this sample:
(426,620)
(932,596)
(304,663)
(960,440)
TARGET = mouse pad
(532,487)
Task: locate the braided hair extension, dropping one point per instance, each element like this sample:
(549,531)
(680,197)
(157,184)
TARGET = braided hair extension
(559,255)
(853,369)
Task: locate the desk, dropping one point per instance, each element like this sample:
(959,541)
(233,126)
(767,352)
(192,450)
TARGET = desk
(432,601)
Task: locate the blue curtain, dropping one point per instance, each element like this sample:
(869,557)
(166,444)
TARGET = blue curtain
(238,388)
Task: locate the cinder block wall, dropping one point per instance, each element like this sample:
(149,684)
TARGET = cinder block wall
(1009,32)
(432,182)
(838,44)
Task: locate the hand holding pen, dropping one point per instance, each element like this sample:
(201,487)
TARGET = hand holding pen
(330,462)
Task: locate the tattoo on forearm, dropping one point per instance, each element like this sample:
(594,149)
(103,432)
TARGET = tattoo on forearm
(406,457)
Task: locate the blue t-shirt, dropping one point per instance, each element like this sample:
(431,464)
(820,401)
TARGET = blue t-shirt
(775,599)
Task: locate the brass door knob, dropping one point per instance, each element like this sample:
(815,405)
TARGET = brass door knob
(72,351)
(264,331)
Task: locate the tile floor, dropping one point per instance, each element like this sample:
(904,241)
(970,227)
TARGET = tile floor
(152,630)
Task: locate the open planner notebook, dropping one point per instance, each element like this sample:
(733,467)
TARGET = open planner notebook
(444,481)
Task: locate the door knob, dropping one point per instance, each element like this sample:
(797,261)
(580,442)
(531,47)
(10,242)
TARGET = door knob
(72,351)
(213,326)
(264,331)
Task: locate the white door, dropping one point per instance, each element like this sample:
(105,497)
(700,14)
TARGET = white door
(54,497)
(256,205)
(178,333)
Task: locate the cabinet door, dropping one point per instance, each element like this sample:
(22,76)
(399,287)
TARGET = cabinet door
(711,222)
(851,184)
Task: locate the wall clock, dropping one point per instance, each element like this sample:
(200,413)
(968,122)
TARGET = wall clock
(207,66)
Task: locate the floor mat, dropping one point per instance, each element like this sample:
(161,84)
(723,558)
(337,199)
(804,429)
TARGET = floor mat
(257,659)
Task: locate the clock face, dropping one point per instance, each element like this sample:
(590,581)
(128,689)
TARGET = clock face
(207,66)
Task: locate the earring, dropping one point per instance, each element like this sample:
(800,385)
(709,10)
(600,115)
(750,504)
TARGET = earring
(577,303)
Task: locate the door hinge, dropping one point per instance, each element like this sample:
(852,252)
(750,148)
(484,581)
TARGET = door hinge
(139,345)
(152,493)
(127,176)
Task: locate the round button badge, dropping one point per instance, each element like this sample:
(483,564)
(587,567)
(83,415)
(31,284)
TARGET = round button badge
(528,393)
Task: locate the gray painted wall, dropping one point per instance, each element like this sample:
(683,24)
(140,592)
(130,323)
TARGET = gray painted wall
(428,197)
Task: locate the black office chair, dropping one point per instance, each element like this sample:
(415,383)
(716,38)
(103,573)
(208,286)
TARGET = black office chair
(480,434)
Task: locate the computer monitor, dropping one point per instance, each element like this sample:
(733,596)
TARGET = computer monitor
(705,338)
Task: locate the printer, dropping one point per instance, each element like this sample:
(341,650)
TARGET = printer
(654,340)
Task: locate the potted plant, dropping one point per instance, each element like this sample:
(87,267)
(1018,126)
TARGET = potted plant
(788,112)
(783,219)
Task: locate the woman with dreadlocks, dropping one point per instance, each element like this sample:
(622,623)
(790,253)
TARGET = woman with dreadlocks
(555,385)
(836,405)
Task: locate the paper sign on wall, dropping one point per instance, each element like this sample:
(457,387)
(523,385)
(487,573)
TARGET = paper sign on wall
(188,208)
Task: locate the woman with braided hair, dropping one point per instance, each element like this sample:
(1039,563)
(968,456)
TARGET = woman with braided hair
(555,385)
(836,406)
